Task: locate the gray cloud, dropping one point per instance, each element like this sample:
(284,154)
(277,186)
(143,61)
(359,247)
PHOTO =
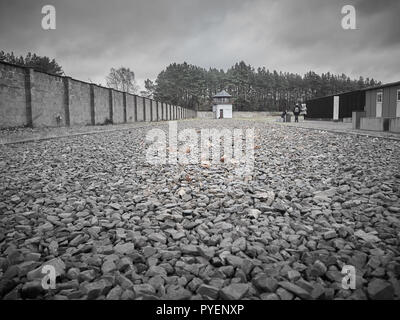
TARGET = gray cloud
(296,36)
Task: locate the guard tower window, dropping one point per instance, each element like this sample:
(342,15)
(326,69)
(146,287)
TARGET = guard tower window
(398,95)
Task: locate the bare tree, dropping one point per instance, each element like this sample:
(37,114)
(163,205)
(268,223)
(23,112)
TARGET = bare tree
(122,79)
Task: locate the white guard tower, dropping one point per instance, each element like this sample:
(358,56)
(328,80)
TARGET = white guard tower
(222,105)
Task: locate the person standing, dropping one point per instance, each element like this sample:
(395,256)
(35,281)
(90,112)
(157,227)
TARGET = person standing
(296,112)
(283,115)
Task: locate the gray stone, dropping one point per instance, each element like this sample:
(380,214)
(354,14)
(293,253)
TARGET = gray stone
(158,237)
(379,289)
(190,249)
(330,235)
(108,267)
(296,290)
(142,289)
(176,292)
(115,293)
(269,296)
(124,248)
(264,283)
(208,291)
(318,269)
(234,291)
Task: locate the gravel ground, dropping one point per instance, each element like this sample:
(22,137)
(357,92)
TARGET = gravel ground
(115,227)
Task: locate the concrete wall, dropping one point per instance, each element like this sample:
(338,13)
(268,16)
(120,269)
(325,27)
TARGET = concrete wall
(374,124)
(165,116)
(13,104)
(130,108)
(79,103)
(205,115)
(101,105)
(159,110)
(47,100)
(140,108)
(118,107)
(147,109)
(168,111)
(29,97)
(261,114)
(154,110)
(238,114)
(394,125)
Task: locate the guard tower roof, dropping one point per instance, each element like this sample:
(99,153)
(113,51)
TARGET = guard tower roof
(222,94)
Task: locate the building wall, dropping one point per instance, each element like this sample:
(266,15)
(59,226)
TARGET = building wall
(48,100)
(28,97)
(12,97)
(369,103)
(390,109)
(321,108)
(227,111)
(79,103)
(389,103)
(349,102)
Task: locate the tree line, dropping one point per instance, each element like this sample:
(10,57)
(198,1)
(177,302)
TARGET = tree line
(39,63)
(193,87)
(253,90)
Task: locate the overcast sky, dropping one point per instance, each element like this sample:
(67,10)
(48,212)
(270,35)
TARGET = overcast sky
(146,35)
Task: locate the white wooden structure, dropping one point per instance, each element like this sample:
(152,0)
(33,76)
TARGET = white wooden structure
(222,105)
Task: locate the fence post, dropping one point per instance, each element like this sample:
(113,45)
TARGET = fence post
(124,106)
(151,109)
(67,90)
(111,105)
(92,109)
(135,102)
(144,109)
(29,79)
(157,111)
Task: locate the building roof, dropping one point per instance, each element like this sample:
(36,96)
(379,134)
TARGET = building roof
(392,84)
(337,94)
(222,94)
